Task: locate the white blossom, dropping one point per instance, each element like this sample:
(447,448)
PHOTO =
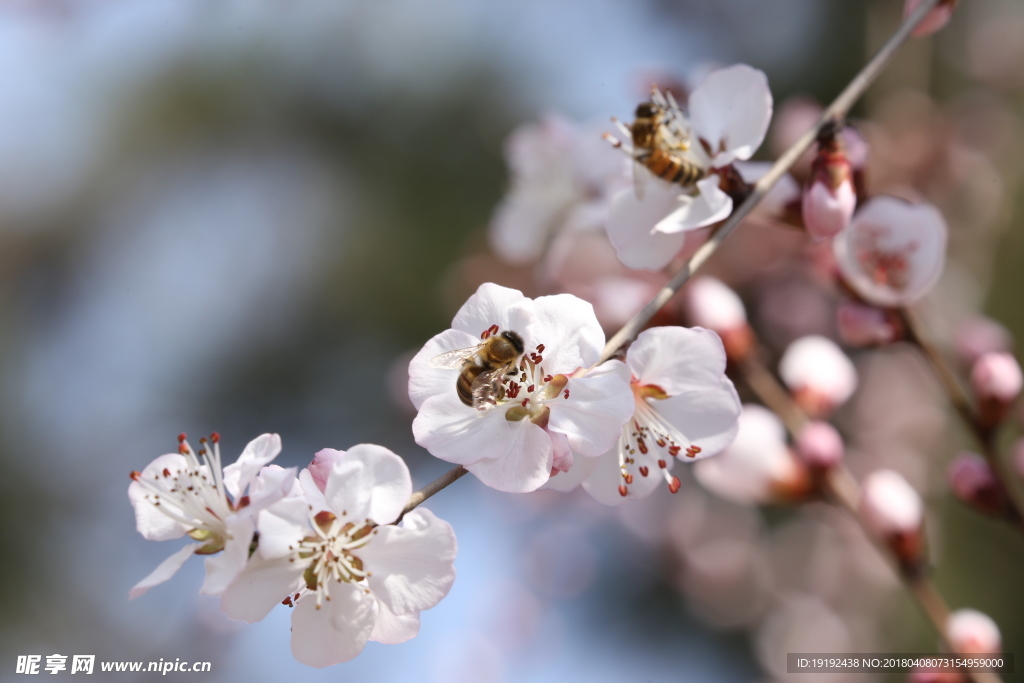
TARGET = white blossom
(335,556)
(544,413)
(188,493)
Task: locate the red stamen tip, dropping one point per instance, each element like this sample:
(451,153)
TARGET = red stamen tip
(674,485)
(644,471)
(182,437)
(662,464)
(215,437)
(622,491)
(135,475)
(166,472)
(628,478)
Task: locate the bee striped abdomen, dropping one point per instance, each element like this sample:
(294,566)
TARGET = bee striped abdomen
(464,385)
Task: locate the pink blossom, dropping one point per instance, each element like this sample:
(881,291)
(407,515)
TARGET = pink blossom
(893,252)
(889,504)
(974,483)
(971,632)
(934,20)
(862,325)
(819,445)
(818,373)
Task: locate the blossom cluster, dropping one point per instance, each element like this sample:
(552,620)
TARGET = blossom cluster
(331,543)
(526,394)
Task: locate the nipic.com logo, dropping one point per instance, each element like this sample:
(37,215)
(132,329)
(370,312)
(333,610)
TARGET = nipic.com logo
(86,664)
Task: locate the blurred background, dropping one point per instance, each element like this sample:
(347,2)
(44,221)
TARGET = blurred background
(243,217)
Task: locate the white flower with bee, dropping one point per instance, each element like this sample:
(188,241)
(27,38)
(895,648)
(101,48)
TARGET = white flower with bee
(512,420)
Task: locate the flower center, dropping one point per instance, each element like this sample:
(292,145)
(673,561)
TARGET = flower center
(886,267)
(527,388)
(194,496)
(648,441)
(329,553)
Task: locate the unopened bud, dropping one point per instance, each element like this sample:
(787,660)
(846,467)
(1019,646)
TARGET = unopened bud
(971,632)
(321,466)
(819,445)
(863,325)
(892,509)
(974,483)
(830,199)
(819,374)
(711,304)
(996,380)
(934,20)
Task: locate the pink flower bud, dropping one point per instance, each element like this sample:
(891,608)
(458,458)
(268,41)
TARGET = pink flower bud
(321,466)
(996,379)
(890,505)
(862,325)
(974,483)
(713,305)
(818,373)
(819,445)
(980,335)
(971,632)
(829,202)
(934,20)
(892,509)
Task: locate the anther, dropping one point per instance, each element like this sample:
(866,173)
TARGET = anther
(215,437)
(673,485)
(644,471)
(182,437)
(662,464)
(628,477)
(622,491)
(135,475)
(167,472)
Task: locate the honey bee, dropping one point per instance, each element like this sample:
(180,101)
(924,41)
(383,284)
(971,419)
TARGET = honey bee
(660,140)
(484,367)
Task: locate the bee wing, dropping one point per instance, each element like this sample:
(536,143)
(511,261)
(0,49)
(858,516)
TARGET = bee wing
(454,360)
(641,176)
(488,388)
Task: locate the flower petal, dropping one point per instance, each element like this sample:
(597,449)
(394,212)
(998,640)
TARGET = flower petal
(392,629)
(708,417)
(490,305)
(567,481)
(384,476)
(569,330)
(708,207)
(425,381)
(283,525)
(525,467)
(411,567)
(603,483)
(153,524)
(261,585)
(631,227)
(731,111)
(595,412)
(337,631)
(677,359)
(222,568)
(260,451)
(271,485)
(164,571)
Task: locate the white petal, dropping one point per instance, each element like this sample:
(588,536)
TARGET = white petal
(222,568)
(708,416)
(425,381)
(455,432)
(337,631)
(603,483)
(569,330)
(731,110)
(271,485)
(490,305)
(411,567)
(260,586)
(391,629)
(594,414)
(631,228)
(677,359)
(153,524)
(283,525)
(386,478)
(311,491)
(708,207)
(525,467)
(567,481)
(522,222)
(164,571)
(260,451)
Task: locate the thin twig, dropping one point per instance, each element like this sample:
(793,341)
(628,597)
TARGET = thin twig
(845,491)
(433,487)
(965,409)
(835,112)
